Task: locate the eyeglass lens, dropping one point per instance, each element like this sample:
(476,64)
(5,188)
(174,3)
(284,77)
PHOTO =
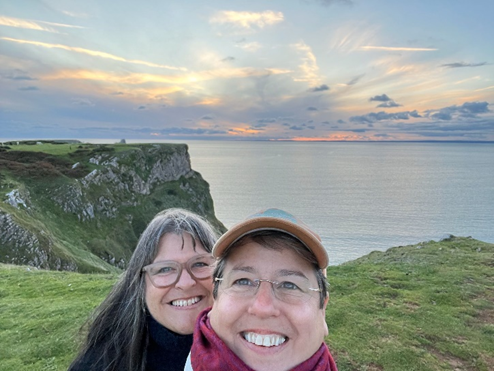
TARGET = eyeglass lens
(167,273)
(294,290)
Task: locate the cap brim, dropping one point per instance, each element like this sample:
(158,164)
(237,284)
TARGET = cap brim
(310,240)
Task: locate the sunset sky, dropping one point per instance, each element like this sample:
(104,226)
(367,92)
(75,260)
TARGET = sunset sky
(369,70)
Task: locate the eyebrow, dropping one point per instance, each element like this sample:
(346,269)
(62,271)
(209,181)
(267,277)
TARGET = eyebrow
(279,273)
(288,272)
(247,269)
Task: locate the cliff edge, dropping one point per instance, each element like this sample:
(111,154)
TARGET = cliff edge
(82,207)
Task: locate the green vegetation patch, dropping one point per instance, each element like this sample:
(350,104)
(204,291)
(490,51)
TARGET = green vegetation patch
(41,313)
(423,307)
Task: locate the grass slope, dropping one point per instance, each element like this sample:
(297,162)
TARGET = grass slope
(423,307)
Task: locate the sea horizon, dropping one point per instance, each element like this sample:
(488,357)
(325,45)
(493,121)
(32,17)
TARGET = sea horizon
(358,198)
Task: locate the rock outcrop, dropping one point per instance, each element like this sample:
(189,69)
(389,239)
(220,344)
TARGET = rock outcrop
(85,211)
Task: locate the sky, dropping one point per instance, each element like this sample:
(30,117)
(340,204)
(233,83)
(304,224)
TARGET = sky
(313,70)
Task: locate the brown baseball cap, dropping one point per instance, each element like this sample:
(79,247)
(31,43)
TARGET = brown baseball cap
(274,220)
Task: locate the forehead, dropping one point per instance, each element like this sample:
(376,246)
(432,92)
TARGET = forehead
(179,247)
(266,260)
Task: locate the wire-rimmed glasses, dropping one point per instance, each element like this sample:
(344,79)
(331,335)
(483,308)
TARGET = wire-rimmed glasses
(294,290)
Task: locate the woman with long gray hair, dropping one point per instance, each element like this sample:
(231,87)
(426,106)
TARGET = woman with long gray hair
(147,320)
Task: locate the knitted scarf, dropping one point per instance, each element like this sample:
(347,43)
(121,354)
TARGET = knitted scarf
(209,352)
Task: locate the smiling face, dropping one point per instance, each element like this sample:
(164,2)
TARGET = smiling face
(263,331)
(177,307)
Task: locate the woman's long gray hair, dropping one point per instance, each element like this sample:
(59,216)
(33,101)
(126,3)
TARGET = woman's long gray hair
(118,336)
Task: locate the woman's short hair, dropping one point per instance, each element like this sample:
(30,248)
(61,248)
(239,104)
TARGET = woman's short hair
(275,240)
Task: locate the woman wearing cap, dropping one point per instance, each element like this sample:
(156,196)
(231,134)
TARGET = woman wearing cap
(270,295)
(147,320)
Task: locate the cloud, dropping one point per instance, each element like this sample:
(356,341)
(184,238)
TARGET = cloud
(309,67)
(28,88)
(322,87)
(391,48)
(341,121)
(74,15)
(355,79)
(466,110)
(266,120)
(141,107)
(82,102)
(380,116)
(331,2)
(380,98)
(247,20)
(450,128)
(389,104)
(18,75)
(295,127)
(93,53)
(32,24)
(311,109)
(21,23)
(250,47)
(181,131)
(442,116)
(192,131)
(462,64)
(228,59)
(207,117)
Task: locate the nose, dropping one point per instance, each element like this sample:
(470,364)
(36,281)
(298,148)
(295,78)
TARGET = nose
(185,280)
(264,304)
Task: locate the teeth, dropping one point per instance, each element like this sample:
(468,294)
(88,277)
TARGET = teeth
(264,340)
(185,303)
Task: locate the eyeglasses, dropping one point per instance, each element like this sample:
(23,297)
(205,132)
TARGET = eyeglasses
(295,291)
(167,273)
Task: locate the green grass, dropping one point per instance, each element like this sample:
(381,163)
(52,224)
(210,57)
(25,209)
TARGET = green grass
(66,148)
(423,307)
(41,312)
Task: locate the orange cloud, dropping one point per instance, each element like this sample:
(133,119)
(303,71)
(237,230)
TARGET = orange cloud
(248,19)
(210,102)
(22,23)
(242,131)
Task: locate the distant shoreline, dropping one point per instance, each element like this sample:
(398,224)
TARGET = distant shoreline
(143,140)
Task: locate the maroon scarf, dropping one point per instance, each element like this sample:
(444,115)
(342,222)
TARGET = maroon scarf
(209,352)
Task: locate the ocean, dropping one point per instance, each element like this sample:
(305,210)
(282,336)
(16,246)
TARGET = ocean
(359,197)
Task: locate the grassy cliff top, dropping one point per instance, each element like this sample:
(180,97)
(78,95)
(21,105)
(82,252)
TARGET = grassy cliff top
(428,306)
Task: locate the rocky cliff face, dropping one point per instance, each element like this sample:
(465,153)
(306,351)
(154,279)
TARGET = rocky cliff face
(85,210)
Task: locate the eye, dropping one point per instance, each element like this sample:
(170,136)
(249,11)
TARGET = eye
(243,282)
(164,270)
(288,286)
(200,265)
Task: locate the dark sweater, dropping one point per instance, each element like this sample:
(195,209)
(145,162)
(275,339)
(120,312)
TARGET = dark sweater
(167,351)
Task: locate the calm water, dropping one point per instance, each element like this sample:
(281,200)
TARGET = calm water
(359,197)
